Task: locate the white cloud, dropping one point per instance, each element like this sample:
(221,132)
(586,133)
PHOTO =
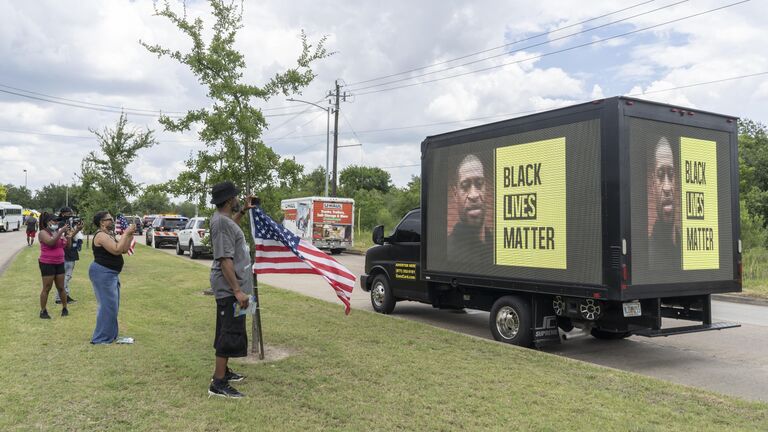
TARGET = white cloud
(89,51)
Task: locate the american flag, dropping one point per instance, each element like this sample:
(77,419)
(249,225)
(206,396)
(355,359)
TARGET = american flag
(280,251)
(121,224)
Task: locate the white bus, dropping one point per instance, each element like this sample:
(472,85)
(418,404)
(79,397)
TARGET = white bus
(10,216)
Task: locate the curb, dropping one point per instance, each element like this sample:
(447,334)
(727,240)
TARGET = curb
(742,299)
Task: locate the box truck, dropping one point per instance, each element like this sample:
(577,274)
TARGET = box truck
(327,222)
(608,216)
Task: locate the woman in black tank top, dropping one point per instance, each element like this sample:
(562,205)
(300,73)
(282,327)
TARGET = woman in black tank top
(105,275)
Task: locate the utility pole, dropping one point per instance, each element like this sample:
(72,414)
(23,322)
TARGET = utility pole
(335,138)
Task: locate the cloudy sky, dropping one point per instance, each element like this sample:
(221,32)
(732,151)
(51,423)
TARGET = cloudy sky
(410,70)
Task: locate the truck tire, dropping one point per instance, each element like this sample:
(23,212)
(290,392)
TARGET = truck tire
(147,241)
(608,335)
(510,321)
(179,250)
(155,244)
(382,299)
(192,253)
(336,251)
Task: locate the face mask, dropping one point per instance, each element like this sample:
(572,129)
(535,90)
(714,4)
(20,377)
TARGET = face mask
(53,227)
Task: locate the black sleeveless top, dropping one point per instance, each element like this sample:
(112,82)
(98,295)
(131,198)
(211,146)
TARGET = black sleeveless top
(102,257)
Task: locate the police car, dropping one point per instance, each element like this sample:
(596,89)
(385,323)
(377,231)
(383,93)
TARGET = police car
(164,230)
(191,238)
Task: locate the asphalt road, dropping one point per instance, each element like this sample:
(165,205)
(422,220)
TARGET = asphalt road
(732,361)
(10,243)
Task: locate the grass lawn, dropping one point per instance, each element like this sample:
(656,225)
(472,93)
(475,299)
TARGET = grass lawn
(359,372)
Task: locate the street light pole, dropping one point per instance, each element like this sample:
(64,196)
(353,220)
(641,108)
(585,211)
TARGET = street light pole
(327,137)
(25,179)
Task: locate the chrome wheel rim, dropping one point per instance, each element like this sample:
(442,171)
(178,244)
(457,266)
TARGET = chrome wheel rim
(377,294)
(507,322)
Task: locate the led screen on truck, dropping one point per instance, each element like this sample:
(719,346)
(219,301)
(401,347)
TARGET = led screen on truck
(680,203)
(522,206)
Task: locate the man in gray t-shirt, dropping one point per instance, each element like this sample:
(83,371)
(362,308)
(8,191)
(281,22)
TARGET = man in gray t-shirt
(228,241)
(231,282)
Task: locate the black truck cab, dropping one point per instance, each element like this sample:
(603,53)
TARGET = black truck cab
(393,267)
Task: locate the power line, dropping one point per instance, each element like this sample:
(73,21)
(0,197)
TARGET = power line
(547,42)
(500,46)
(519,113)
(557,51)
(294,117)
(108,108)
(89,103)
(299,127)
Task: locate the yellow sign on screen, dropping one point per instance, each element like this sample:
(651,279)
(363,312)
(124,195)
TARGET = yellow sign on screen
(531,205)
(698,169)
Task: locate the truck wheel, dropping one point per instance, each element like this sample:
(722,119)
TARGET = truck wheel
(608,335)
(336,251)
(192,253)
(382,299)
(510,321)
(147,241)
(179,251)
(155,244)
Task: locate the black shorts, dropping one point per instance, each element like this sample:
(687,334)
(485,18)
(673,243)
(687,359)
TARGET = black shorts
(51,269)
(231,339)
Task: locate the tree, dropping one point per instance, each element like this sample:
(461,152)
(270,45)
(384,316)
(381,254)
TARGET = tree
(152,201)
(753,167)
(185,208)
(108,169)
(3,192)
(19,195)
(313,183)
(232,126)
(355,178)
(52,197)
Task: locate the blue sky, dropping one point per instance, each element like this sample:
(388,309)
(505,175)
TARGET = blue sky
(89,51)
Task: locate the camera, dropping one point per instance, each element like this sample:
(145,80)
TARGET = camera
(72,221)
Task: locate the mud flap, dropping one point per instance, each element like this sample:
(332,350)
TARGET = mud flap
(544,326)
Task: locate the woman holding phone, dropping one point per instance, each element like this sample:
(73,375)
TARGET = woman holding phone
(105,275)
(52,243)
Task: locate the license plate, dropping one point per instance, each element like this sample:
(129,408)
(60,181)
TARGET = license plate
(632,309)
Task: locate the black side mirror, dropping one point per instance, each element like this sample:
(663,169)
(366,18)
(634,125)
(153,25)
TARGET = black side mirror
(378,235)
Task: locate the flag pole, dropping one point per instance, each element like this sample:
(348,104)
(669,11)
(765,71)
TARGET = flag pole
(257,346)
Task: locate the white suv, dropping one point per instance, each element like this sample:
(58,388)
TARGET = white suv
(191,238)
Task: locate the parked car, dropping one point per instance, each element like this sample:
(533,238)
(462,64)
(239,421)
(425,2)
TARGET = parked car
(164,231)
(191,238)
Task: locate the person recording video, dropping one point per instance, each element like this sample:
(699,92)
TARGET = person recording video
(52,243)
(72,251)
(104,273)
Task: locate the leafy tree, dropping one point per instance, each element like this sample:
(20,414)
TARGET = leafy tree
(52,197)
(313,184)
(232,126)
(355,178)
(753,167)
(3,192)
(19,195)
(108,168)
(185,208)
(152,201)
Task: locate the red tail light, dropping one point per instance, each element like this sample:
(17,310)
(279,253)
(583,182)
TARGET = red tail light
(201,233)
(624,276)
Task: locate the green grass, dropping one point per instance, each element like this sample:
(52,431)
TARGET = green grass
(359,372)
(755,265)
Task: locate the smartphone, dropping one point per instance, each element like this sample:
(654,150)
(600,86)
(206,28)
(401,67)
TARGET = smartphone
(255,201)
